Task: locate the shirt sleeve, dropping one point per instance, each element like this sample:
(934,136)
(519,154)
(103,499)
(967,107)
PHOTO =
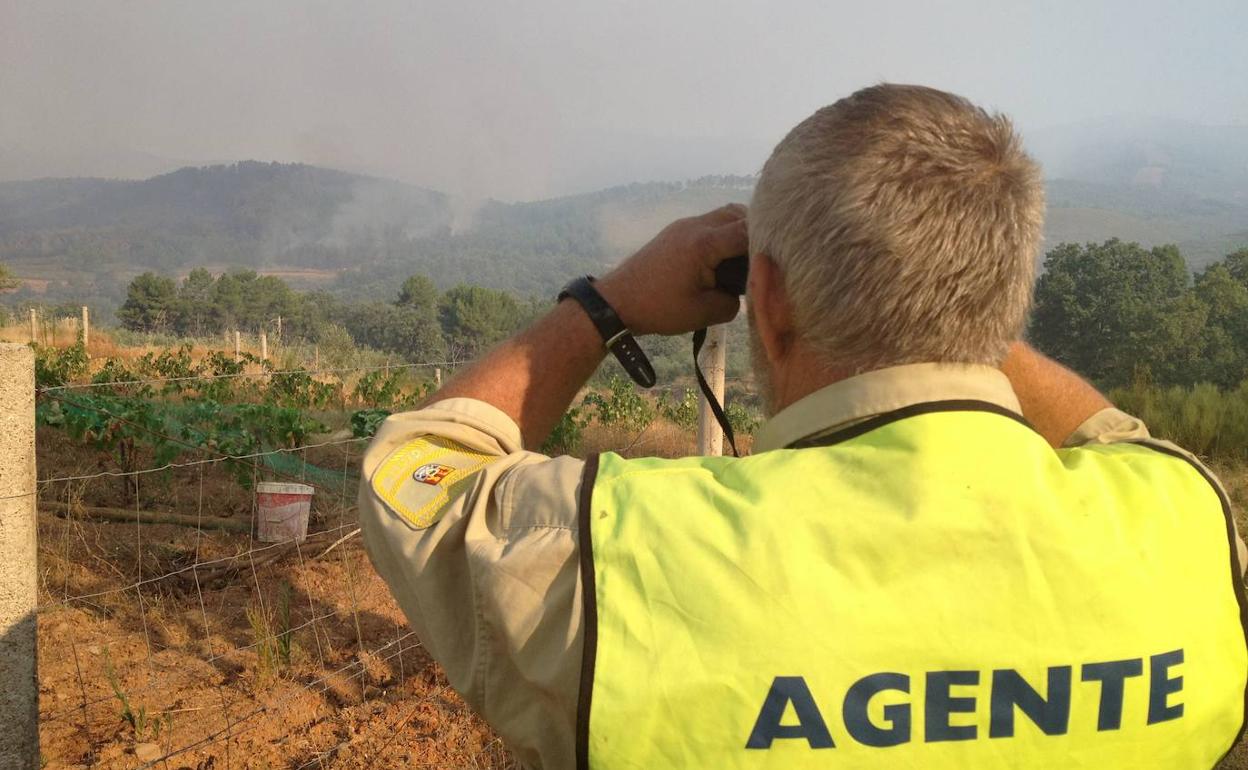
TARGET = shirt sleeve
(1111,425)
(476,538)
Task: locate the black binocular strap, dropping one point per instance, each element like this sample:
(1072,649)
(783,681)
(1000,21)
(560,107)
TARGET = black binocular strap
(699,337)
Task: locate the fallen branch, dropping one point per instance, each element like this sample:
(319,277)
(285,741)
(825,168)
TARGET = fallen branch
(65,511)
(246,560)
(337,543)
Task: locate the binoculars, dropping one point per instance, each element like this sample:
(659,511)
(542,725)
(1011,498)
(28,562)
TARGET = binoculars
(731,275)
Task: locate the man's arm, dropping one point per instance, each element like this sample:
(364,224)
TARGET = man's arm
(668,287)
(1055,400)
(483,560)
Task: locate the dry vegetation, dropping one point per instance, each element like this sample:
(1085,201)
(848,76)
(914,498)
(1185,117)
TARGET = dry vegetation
(301,658)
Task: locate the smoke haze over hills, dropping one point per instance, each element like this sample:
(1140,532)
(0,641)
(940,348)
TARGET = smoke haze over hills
(527,101)
(443,118)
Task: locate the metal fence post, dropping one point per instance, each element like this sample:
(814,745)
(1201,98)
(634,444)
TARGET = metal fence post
(714,357)
(19,688)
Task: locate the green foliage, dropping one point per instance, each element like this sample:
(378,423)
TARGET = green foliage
(298,390)
(380,389)
(272,634)
(411,333)
(620,405)
(567,434)
(683,413)
(7,281)
(1113,291)
(1203,419)
(220,373)
(365,422)
(138,432)
(59,366)
(149,304)
(1114,309)
(335,345)
(420,295)
(130,429)
(743,420)
(473,318)
(144,729)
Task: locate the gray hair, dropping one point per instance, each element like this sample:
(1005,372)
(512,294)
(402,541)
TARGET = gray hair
(906,222)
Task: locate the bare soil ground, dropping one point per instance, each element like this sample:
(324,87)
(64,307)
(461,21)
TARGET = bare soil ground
(189,665)
(200,688)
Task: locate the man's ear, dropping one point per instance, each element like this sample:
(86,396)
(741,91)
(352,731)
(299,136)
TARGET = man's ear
(773,313)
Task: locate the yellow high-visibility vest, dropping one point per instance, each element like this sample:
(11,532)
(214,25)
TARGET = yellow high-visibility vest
(933,588)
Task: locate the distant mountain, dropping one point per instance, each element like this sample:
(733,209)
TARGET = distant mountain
(1172,157)
(359,236)
(355,234)
(249,214)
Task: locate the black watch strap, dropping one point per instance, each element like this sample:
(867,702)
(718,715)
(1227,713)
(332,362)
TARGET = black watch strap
(615,334)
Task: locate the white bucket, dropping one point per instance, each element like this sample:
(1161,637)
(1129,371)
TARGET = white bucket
(283,511)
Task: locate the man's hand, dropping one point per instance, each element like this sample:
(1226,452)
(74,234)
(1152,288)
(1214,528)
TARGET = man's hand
(668,287)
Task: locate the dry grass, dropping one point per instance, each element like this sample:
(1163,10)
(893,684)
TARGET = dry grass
(185,657)
(660,438)
(64,332)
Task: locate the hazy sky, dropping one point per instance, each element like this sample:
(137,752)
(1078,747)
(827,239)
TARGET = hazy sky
(531,99)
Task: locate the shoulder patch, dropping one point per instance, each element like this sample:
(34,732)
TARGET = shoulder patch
(415,480)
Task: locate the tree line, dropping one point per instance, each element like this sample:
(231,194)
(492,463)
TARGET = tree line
(1117,312)
(1120,313)
(421,323)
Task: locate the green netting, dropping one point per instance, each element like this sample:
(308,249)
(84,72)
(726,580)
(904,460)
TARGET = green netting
(291,467)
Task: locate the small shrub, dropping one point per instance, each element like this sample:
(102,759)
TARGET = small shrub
(683,413)
(272,635)
(59,366)
(380,389)
(141,725)
(742,419)
(1203,419)
(566,437)
(365,422)
(298,390)
(621,405)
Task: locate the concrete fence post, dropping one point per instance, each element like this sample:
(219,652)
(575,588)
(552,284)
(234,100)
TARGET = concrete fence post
(264,346)
(714,357)
(34,326)
(19,687)
(86,327)
(238,346)
(437,377)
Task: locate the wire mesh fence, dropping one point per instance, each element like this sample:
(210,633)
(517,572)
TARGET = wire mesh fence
(172,636)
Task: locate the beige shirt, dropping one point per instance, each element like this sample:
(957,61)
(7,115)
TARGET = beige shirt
(491,584)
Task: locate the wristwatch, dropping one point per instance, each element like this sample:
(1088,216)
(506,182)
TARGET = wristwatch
(615,335)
